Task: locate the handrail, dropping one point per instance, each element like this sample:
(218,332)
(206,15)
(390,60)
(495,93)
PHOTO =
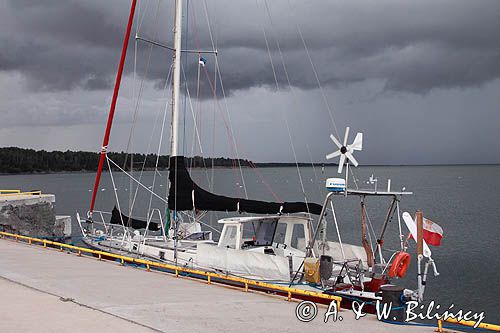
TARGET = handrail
(291,292)
(10,191)
(18,192)
(468,323)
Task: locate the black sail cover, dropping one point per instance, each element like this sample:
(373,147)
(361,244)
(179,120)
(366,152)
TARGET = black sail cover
(181,197)
(131,222)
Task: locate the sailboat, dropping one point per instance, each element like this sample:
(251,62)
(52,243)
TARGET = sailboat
(279,244)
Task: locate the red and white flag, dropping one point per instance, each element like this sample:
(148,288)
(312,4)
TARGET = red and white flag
(433,233)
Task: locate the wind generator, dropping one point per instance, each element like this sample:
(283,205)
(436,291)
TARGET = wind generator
(345,151)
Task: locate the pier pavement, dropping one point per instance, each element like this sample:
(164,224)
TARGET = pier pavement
(46,290)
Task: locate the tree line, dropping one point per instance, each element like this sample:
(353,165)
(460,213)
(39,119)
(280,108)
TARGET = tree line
(20,160)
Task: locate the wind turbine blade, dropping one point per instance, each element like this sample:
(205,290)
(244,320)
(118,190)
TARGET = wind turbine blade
(351,158)
(357,144)
(341,163)
(332,155)
(346,136)
(334,139)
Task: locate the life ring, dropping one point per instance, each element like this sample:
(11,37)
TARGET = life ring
(400,265)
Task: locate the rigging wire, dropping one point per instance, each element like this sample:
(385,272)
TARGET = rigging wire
(353,177)
(372,245)
(197,119)
(293,94)
(160,141)
(227,122)
(135,180)
(134,81)
(138,26)
(149,147)
(226,108)
(252,165)
(125,231)
(314,170)
(197,123)
(141,86)
(214,124)
(198,219)
(217,68)
(137,102)
(195,126)
(185,35)
(263,180)
(141,20)
(137,106)
(325,100)
(331,111)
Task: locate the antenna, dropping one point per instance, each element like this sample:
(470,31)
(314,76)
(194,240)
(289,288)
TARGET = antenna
(372,180)
(345,150)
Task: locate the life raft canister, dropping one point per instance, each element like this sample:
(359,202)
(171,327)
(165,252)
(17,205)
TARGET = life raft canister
(400,265)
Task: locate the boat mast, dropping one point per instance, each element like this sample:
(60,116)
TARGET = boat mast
(176,79)
(112,107)
(176,86)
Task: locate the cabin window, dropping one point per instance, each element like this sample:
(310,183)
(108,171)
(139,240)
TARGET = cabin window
(250,230)
(298,233)
(279,236)
(229,237)
(265,232)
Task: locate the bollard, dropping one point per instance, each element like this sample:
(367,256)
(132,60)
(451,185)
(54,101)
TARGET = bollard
(392,295)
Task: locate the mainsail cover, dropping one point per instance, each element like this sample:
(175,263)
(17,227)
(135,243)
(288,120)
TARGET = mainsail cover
(183,190)
(131,222)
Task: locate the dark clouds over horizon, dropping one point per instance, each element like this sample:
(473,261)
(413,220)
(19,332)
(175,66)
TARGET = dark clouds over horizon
(385,52)
(412,46)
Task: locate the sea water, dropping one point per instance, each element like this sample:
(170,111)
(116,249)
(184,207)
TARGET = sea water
(463,200)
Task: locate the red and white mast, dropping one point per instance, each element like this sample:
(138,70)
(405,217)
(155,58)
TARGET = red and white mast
(105,141)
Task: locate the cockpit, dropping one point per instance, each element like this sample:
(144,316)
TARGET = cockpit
(269,234)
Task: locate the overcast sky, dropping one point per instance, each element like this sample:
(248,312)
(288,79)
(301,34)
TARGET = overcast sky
(420,79)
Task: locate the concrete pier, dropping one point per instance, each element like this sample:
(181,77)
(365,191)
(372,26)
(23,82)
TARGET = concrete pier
(32,214)
(49,290)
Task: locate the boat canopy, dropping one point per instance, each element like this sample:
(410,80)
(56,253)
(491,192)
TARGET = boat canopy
(185,194)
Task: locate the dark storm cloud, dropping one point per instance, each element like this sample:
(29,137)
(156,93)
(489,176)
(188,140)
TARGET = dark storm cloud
(411,46)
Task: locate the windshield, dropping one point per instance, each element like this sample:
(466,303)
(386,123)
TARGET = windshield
(260,233)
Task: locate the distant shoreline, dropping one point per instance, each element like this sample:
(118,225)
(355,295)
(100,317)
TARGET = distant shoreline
(265,165)
(18,161)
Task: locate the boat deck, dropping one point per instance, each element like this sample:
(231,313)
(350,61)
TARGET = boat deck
(43,287)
